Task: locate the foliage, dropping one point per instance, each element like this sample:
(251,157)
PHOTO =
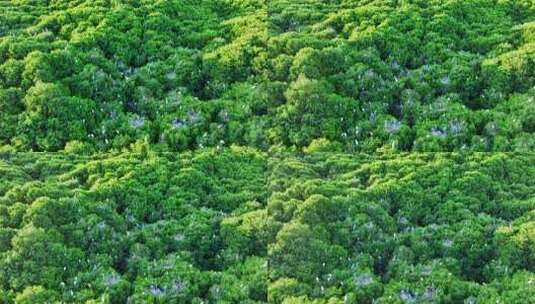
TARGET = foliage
(416,228)
(132,227)
(267,151)
(238,226)
(179,74)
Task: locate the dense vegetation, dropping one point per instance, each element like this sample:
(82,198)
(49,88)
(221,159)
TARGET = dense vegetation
(416,228)
(409,75)
(236,226)
(115,227)
(267,151)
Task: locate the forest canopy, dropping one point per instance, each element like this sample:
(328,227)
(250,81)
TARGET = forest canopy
(409,75)
(238,226)
(267,151)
